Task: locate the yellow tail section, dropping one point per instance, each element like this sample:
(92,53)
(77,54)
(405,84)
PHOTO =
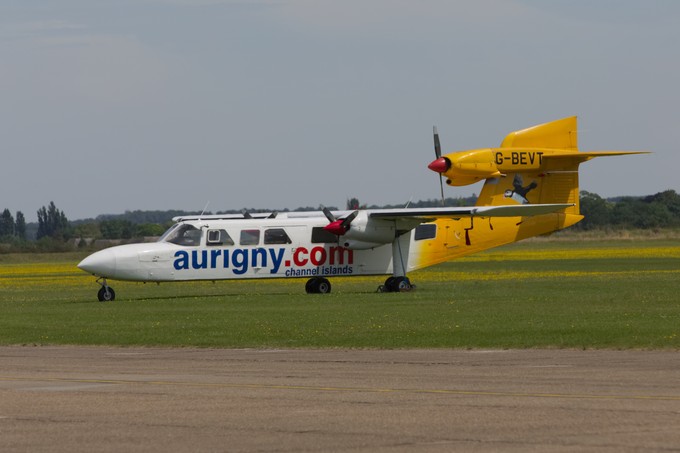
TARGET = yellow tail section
(560,134)
(537,165)
(540,165)
(553,180)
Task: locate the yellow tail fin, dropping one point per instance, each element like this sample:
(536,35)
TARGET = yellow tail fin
(540,165)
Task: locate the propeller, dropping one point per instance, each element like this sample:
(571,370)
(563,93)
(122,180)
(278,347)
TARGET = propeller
(338,226)
(440,164)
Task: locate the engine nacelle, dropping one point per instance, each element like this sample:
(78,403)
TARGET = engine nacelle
(468,167)
(366,233)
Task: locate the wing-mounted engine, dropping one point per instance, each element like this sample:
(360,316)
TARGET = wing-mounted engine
(358,231)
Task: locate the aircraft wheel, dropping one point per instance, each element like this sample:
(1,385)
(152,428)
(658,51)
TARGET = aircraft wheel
(388,286)
(399,284)
(106,294)
(309,289)
(318,285)
(324,286)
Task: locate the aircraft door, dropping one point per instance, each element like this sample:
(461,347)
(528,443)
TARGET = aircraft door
(453,233)
(282,242)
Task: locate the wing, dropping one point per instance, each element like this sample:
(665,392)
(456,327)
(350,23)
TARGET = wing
(410,218)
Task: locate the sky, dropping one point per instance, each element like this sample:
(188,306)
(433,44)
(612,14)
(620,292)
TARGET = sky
(115,105)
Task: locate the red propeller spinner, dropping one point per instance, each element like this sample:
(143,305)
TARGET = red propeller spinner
(338,226)
(440,165)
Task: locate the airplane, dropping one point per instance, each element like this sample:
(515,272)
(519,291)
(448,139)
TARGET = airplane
(530,189)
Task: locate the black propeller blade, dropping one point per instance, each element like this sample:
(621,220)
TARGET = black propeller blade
(329,215)
(438,154)
(338,226)
(345,223)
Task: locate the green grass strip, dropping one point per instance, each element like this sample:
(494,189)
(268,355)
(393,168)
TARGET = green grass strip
(532,295)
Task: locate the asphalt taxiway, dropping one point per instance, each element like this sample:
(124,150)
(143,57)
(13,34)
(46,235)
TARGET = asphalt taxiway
(151,399)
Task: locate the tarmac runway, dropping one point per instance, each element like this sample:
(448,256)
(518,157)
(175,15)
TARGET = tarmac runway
(66,399)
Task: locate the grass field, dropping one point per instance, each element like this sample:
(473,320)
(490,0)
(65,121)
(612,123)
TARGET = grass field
(623,294)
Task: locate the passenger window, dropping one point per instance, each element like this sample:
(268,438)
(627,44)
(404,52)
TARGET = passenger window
(276,236)
(321,236)
(426,231)
(219,237)
(250,237)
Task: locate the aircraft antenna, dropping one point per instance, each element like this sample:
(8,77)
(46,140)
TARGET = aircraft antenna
(203,211)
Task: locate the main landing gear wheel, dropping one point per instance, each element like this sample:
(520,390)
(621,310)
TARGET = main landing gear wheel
(318,285)
(396,285)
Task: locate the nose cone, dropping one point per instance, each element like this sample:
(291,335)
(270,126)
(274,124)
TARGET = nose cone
(440,165)
(102,263)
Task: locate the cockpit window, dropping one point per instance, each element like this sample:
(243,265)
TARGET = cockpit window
(183,234)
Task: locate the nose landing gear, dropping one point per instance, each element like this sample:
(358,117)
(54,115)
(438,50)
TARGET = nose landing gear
(105,293)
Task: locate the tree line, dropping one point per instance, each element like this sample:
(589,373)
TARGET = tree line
(53,229)
(661,210)
(10,229)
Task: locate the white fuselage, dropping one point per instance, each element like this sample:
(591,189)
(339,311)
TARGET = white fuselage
(235,248)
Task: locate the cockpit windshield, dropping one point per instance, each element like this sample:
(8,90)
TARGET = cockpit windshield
(182,234)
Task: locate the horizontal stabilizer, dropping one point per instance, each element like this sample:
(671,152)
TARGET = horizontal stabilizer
(581,157)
